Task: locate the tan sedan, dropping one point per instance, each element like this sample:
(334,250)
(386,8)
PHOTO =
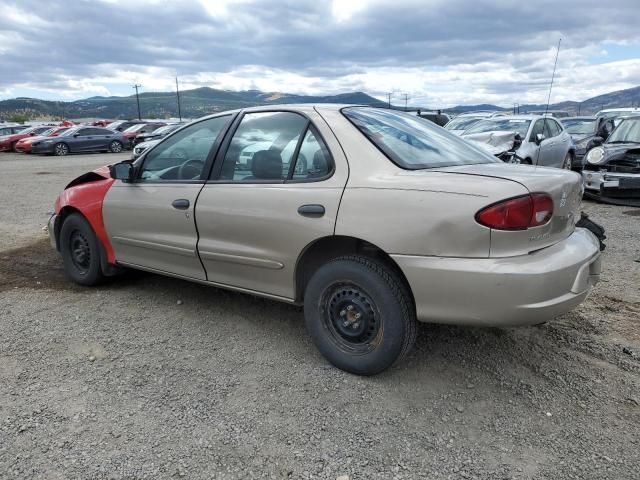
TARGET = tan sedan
(372,219)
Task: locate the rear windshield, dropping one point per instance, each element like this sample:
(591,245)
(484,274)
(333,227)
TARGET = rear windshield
(580,126)
(500,125)
(414,143)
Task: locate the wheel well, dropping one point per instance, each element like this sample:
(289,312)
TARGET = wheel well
(64,213)
(326,249)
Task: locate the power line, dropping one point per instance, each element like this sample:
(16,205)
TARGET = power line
(136,86)
(406,99)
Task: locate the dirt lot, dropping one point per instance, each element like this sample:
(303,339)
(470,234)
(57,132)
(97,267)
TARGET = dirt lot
(150,377)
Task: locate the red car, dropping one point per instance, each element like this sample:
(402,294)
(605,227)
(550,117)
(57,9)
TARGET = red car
(24,145)
(9,142)
(101,123)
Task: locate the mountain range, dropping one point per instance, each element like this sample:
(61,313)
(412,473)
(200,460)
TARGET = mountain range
(202,101)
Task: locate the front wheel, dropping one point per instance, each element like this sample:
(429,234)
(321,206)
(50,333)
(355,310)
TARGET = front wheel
(115,147)
(61,149)
(80,250)
(359,315)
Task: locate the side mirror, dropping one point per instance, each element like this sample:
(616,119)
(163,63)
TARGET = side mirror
(539,138)
(121,171)
(597,140)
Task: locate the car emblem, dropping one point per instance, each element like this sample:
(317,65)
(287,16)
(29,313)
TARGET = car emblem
(563,199)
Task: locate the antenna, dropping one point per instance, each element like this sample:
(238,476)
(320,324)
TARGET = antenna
(546,109)
(553,75)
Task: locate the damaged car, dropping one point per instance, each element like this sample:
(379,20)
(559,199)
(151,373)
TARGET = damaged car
(371,219)
(612,170)
(528,139)
(586,133)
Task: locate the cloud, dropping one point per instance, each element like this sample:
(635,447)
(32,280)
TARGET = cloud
(439,52)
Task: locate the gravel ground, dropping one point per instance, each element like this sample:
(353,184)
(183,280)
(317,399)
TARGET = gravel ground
(151,377)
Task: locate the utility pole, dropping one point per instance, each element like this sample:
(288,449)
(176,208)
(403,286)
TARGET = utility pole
(178,96)
(389,99)
(136,86)
(406,99)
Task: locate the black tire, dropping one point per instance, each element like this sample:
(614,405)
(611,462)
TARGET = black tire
(60,149)
(359,314)
(567,164)
(80,250)
(115,146)
(13,147)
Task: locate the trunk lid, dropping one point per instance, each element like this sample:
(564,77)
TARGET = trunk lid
(564,187)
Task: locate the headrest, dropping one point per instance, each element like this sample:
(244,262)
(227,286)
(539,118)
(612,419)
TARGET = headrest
(267,164)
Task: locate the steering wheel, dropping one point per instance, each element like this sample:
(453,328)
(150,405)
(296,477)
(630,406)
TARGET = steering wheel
(190,169)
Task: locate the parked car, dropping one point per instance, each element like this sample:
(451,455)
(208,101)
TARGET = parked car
(100,123)
(438,117)
(8,142)
(616,113)
(391,220)
(612,171)
(465,121)
(139,148)
(122,125)
(133,131)
(10,129)
(586,133)
(529,139)
(156,134)
(551,113)
(81,139)
(24,145)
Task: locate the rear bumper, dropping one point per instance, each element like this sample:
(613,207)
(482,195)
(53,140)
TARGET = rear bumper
(521,290)
(51,230)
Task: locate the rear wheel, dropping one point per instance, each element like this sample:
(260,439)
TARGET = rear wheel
(13,147)
(61,149)
(359,315)
(80,250)
(115,147)
(568,161)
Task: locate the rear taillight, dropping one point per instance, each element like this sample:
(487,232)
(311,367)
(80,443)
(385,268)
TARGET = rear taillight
(517,213)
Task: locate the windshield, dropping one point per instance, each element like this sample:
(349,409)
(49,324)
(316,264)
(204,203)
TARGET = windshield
(114,125)
(134,128)
(501,125)
(580,126)
(627,132)
(462,123)
(46,133)
(164,130)
(69,132)
(412,143)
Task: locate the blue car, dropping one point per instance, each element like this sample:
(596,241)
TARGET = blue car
(81,139)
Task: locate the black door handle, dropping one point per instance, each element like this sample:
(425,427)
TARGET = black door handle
(311,210)
(180,204)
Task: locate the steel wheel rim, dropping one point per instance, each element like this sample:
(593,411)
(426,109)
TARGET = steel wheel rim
(80,251)
(351,318)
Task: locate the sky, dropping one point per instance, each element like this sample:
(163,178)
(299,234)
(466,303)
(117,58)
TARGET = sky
(440,53)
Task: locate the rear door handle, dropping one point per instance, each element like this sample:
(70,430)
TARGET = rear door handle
(180,204)
(311,210)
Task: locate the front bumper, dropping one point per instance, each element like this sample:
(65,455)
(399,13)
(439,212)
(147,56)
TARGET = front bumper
(612,187)
(51,230)
(23,148)
(521,290)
